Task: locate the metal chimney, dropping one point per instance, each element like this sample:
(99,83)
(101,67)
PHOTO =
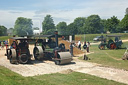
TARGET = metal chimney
(56,37)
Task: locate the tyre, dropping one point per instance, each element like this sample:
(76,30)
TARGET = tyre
(23,58)
(112,46)
(38,53)
(8,53)
(57,62)
(101,47)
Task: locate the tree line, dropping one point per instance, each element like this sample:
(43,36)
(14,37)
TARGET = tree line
(81,25)
(93,24)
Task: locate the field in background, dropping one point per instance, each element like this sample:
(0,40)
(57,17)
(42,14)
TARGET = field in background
(4,37)
(89,37)
(83,37)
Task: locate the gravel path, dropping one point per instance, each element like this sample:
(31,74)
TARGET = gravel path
(48,67)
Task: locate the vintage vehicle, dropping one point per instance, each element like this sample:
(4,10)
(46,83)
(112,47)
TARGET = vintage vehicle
(125,56)
(98,38)
(51,50)
(110,43)
(18,52)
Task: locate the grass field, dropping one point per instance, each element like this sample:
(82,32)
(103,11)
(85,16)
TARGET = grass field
(110,58)
(89,37)
(4,37)
(8,77)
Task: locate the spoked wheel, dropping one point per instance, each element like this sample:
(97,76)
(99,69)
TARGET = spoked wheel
(23,58)
(101,47)
(36,54)
(112,46)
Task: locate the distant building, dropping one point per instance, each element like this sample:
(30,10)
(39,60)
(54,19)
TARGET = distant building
(9,32)
(36,32)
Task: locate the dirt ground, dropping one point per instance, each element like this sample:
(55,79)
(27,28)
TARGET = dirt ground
(48,67)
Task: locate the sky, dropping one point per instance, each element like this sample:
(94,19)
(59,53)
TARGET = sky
(60,10)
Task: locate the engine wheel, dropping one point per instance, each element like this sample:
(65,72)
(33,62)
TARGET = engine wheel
(23,58)
(112,46)
(8,53)
(11,60)
(38,53)
(57,62)
(101,47)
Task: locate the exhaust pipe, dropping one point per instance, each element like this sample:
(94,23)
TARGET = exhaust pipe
(56,37)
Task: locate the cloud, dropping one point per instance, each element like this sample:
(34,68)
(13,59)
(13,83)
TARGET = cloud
(64,10)
(8,17)
(15,12)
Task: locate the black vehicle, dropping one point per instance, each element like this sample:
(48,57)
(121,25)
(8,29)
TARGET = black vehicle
(51,50)
(19,52)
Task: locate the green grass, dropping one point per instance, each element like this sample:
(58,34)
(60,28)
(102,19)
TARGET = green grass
(4,37)
(89,37)
(8,77)
(111,58)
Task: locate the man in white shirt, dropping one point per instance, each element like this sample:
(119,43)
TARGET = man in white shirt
(79,44)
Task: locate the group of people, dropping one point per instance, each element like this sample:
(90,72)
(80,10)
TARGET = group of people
(85,46)
(22,44)
(2,44)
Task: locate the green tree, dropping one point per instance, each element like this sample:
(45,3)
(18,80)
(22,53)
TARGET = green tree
(123,25)
(3,31)
(112,24)
(92,24)
(103,26)
(78,24)
(23,26)
(48,26)
(71,30)
(62,27)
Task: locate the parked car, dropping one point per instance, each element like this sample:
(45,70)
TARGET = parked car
(98,38)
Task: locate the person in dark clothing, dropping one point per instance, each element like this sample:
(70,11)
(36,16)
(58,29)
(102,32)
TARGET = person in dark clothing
(14,45)
(85,46)
(88,45)
(116,39)
(71,49)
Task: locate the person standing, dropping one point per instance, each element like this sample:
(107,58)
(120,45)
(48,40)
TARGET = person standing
(88,45)
(84,46)
(2,45)
(79,44)
(6,44)
(71,49)
(14,45)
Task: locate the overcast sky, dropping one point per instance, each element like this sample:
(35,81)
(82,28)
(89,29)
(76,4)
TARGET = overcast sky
(60,10)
